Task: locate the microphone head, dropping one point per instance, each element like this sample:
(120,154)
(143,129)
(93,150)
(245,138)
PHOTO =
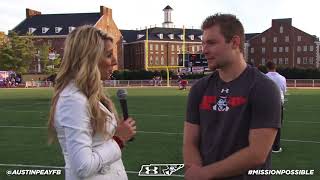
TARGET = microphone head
(122,93)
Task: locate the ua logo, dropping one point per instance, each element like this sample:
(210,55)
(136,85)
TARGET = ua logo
(154,170)
(225,90)
(159,169)
(222,104)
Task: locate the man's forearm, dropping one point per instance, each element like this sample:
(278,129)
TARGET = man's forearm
(235,164)
(191,155)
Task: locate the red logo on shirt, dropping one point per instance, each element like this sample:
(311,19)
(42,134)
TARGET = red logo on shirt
(208,102)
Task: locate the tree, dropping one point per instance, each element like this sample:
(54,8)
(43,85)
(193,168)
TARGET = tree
(17,54)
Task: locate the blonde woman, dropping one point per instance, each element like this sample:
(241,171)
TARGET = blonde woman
(82,117)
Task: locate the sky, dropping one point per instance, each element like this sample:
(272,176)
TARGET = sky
(255,15)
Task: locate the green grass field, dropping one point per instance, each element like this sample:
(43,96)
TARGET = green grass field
(159,113)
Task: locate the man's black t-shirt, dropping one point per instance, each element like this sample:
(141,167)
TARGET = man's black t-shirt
(226,111)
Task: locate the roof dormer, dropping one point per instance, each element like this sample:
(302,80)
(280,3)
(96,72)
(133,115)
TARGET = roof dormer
(160,35)
(191,37)
(45,30)
(181,36)
(57,29)
(71,28)
(171,36)
(139,36)
(31,30)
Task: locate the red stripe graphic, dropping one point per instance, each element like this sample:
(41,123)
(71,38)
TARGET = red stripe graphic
(236,101)
(207,102)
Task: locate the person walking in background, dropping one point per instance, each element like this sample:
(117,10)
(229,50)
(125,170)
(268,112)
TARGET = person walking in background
(282,84)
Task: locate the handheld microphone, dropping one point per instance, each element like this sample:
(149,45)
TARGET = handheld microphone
(122,96)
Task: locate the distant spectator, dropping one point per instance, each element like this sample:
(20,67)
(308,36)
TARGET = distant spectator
(281,83)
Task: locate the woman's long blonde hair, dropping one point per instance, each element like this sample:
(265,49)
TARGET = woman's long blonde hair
(84,49)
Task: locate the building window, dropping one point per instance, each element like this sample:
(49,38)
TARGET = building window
(191,37)
(172,47)
(287,39)
(252,50)
(50,42)
(162,60)
(263,39)
(157,47)
(305,60)
(172,60)
(263,61)
(286,61)
(280,61)
(298,60)
(162,47)
(151,60)
(305,48)
(263,50)
(280,49)
(275,39)
(311,60)
(192,49)
(178,60)
(151,47)
(252,60)
(311,48)
(275,49)
(275,60)
(157,60)
(198,48)
(299,48)
(299,38)
(286,49)
(281,29)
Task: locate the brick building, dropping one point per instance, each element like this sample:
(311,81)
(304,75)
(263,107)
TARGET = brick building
(282,43)
(164,44)
(54,28)
(285,45)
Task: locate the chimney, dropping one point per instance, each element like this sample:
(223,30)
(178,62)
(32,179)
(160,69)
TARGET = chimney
(30,13)
(287,21)
(105,11)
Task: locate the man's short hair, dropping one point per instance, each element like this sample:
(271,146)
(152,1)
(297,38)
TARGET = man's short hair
(230,26)
(271,65)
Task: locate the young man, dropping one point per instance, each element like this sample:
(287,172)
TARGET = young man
(282,84)
(233,114)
